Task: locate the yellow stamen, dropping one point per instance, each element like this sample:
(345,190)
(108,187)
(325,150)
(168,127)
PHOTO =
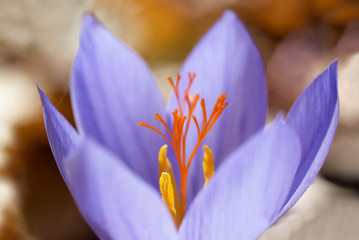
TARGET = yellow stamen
(164,165)
(208,164)
(166,188)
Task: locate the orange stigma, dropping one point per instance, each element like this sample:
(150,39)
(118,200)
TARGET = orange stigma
(177,138)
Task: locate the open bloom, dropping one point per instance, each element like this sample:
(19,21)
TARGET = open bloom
(111,164)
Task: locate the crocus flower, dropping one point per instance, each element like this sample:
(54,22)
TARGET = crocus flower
(111,164)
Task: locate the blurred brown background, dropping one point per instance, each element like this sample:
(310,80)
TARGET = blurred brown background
(38,40)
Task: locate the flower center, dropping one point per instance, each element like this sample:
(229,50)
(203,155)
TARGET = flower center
(177,140)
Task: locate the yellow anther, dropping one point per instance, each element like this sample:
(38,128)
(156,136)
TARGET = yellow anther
(208,164)
(164,166)
(166,188)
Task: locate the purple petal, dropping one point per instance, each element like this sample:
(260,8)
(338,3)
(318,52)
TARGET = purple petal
(248,190)
(113,90)
(314,116)
(226,60)
(62,136)
(116,203)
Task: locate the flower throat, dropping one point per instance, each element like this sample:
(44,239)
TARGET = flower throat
(177,140)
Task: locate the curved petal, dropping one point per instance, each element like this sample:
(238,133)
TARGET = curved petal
(113,90)
(248,190)
(314,116)
(116,203)
(62,136)
(226,60)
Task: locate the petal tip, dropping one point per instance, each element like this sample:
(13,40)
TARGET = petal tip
(89,19)
(333,68)
(44,99)
(90,25)
(229,17)
(334,63)
(229,14)
(333,77)
(280,117)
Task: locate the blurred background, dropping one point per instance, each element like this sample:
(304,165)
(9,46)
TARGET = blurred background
(297,38)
